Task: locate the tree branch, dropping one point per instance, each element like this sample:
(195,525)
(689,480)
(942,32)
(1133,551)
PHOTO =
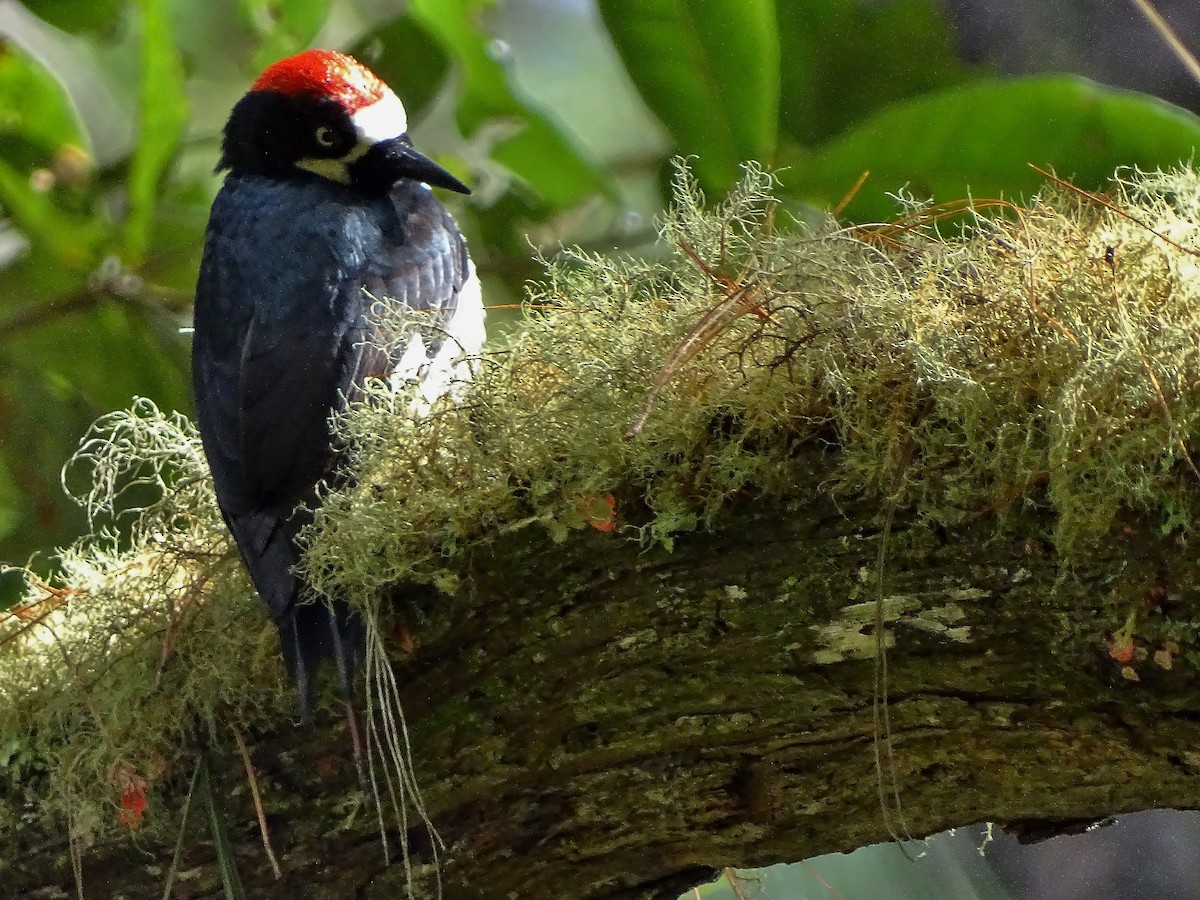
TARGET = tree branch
(595,720)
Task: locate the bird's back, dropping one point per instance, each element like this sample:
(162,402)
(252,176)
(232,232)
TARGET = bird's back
(285,336)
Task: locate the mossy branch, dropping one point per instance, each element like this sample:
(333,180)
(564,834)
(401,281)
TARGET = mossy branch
(1022,396)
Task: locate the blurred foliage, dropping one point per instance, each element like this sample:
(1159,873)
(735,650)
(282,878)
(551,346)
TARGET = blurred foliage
(709,69)
(982,136)
(562,113)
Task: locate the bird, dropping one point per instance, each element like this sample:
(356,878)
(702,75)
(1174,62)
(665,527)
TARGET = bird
(325,209)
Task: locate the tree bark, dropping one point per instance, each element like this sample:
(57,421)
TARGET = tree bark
(599,719)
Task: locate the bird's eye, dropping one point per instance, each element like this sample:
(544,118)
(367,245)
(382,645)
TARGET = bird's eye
(326,137)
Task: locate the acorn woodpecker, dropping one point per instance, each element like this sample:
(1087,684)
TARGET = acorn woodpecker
(326,209)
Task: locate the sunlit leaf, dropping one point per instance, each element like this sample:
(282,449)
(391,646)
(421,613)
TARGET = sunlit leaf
(75,16)
(38,128)
(71,240)
(842,59)
(709,69)
(162,120)
(286,26)
(36,118)
(980,138)
(537,152)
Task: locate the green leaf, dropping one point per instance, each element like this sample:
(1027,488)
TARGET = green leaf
(71,240)
(76,16)
(36,118)
(980,138)
(709,69)
(38,127)
(162,121)
(286,26)
(231,881)
(177,856)
(843,59)
(390,51)
(12,501)
(538,153)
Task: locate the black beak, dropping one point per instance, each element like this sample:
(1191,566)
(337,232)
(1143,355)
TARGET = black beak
(389,161)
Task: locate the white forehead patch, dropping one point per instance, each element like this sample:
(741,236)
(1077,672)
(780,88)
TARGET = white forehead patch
(382,120)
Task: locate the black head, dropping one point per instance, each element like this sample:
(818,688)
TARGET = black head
(324,113)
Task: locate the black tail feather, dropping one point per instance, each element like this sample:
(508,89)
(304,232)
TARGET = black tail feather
(311,630)
(314,632)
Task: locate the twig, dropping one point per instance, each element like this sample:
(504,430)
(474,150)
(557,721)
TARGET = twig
(1170,38)
(128,290)
(1112,207)
(825,884)
(742,296)
(850,194)
(881,720)
(76,851)
(258,809)
(735,884)
(33,316)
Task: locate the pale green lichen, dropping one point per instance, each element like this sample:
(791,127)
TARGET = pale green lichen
(1049,355)
(103,675)
(1051,351)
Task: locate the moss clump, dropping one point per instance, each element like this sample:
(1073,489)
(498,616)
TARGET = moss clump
(103,675)
(1048,356)
(1049,353)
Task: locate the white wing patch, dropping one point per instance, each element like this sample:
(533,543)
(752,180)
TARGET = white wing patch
(452,367)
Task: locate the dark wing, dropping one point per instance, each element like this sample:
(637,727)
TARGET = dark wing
(424,268)
(284,336)
(267,367)
(292,377)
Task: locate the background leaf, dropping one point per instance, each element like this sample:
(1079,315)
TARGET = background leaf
(77,16)
(843,59)
(162,119)
(36,118)
(284,26)
(405,56)
(709,69)
(537,152)
(978,139)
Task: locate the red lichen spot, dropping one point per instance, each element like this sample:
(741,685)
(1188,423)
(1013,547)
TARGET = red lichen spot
(133,807)
(600,511)
(1121,648)
(324,73)
(405,639)
(133,796)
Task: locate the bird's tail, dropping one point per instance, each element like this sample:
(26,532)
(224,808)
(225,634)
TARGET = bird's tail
(311,629)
